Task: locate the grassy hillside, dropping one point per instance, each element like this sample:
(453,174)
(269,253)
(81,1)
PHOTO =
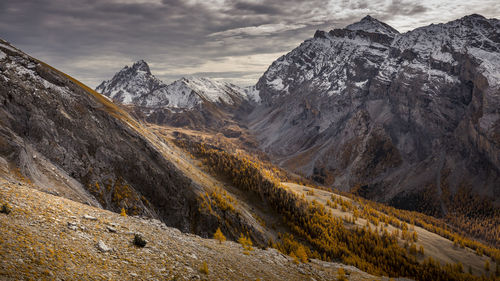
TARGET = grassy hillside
(373,237)
(46,237)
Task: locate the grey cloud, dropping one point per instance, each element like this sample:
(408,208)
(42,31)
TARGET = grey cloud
(256,8)
(92,39)
(399,7)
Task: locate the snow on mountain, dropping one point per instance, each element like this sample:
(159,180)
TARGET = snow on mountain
(136,85)
(348,94)
(323,60)
(130,84)
(370,24)
(473,35)
(252,94)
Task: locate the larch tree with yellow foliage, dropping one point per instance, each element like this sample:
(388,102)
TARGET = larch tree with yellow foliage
(219,236)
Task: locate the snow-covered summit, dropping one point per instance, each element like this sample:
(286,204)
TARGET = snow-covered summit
(373,25)
(329,61)
(136,85)
(130,84)
(141,66)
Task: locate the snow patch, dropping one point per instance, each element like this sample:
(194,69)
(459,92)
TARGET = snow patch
(490,64)
(253,94)
(277,84)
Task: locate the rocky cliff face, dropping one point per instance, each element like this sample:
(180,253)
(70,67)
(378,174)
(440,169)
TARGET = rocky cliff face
(57,133)
(389,113)
(188,102)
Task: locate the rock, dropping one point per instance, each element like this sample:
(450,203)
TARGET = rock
(111,229)
(139,240)
(103,247)
(5,209)
(87,217)
(72,226)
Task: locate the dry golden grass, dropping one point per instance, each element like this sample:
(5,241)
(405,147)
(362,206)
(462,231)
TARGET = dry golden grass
(46,237)
(435,246)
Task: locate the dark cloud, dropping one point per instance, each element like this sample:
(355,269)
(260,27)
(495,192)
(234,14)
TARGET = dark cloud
(399,7)
(227,39)
(246,7)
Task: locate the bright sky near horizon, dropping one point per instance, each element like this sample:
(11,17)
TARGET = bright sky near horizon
(230,40)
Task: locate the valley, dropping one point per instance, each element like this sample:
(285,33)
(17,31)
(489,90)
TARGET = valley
(364,153)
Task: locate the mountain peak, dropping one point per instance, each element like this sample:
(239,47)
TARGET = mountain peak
(370,24)
(474,16)
(141,65)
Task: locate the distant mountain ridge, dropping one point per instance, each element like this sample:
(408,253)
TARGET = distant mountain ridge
(136,85)
(188,102)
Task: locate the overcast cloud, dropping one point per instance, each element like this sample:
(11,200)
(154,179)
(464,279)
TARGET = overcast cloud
(225,39)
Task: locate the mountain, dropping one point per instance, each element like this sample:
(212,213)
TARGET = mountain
(187,102)
(61,137)
(131,85)
(410,119)
(372,25)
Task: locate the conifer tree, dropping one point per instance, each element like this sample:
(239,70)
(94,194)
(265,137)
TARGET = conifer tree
(219,236)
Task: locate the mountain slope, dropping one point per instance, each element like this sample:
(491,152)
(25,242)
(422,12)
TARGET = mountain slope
(66,139)
(395,116)
(59,242)
(69,140)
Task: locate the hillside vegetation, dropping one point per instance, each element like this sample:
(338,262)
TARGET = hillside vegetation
(46,237)
(320,234)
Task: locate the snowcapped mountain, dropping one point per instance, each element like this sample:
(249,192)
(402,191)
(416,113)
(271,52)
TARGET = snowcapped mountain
(130,84)
(136,85)
(369,24)
(389,113)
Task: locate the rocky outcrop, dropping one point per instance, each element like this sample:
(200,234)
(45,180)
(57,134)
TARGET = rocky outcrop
(389,113)
(56,132)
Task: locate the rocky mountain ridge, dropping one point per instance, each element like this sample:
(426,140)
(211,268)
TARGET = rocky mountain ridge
(110,161)
(187,102)
(388,114)
(136,85)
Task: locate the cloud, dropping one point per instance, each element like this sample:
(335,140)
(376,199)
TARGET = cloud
(398,7)
(227,39)
(264,29)
(256,8)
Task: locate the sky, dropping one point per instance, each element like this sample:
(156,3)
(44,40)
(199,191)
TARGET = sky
(229,40)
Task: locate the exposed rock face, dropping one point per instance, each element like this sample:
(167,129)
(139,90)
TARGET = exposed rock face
(59,133)
(188,102)
(131,84)
(392,113)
